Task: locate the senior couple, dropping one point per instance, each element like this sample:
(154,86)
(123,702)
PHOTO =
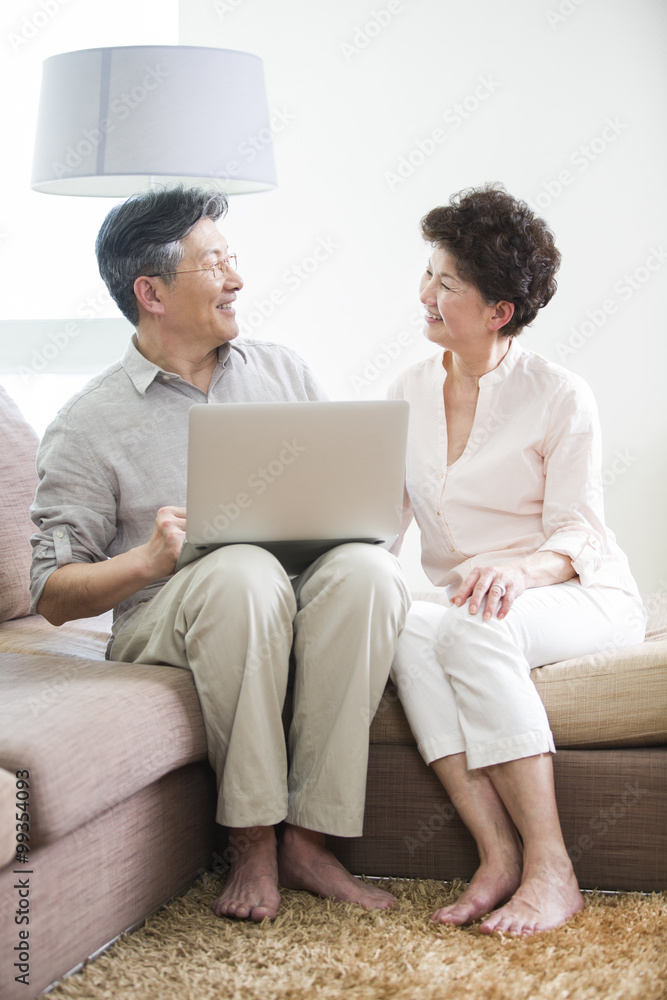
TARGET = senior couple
(503,479)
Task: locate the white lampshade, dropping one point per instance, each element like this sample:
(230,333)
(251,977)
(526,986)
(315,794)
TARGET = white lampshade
(114,120)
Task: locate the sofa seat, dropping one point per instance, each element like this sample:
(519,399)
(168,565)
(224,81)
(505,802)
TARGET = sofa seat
(92,733)
(84,717)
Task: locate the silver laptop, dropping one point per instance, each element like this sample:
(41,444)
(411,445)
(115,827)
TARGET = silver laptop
(295,478)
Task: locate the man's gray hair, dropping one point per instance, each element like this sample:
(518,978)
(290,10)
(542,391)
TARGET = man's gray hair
(144,234)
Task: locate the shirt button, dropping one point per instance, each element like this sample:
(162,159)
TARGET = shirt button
(438,513)
(60,533)
(452,550)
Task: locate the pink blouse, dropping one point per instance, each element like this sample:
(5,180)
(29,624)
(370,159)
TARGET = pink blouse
(529,478)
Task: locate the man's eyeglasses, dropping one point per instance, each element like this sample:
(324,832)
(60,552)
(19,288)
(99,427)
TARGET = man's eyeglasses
(218,270)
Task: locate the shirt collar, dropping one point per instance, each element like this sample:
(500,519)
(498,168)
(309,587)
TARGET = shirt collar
(505,366)
(143,372)
(233,346)
(491,378)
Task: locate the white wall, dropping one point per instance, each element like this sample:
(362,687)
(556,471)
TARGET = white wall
(563,102)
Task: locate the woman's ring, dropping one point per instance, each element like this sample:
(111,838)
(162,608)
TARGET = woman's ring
(499,586)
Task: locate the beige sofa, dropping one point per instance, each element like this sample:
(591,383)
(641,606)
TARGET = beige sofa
(120,796)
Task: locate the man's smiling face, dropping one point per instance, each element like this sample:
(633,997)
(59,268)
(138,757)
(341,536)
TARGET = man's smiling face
(198,306)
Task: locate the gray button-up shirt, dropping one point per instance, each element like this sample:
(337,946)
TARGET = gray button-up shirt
(117,452)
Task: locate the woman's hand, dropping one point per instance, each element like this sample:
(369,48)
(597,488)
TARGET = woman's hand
(500,584)
(503,584)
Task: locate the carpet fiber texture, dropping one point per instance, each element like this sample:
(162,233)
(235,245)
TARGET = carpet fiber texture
(615,948)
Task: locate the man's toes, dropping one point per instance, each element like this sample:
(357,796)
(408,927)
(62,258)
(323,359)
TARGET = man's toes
(491,924)
(230,908)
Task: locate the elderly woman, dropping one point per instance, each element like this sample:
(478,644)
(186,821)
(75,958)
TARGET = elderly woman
(504,480)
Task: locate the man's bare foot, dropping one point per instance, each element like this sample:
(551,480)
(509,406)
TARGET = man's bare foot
(546,898)
(492,883)
(305,863)
(251,889)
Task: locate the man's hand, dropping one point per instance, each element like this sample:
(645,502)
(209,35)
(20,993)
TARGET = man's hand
(163,548)
(82,590)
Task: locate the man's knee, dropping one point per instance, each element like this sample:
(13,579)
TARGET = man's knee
(370,563)
(243,564)
(239,581)
(363,576)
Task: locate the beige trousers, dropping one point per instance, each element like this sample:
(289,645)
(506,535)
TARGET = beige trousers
(232,618)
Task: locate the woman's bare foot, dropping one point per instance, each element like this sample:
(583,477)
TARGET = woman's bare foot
(493,883)
(251,889)
(546,898)
(305,863)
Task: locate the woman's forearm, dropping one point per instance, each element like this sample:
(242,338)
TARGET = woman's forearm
(544,568)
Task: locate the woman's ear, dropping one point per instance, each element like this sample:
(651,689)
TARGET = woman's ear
(502,314)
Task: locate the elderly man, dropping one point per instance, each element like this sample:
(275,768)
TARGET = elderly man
(110,517)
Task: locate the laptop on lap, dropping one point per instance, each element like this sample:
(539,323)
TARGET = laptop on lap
(294,478)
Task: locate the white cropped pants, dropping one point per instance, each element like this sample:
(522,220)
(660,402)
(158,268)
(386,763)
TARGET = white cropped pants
(232,618)
(465,682)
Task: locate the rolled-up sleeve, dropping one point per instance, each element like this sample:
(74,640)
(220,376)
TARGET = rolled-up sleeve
(74,509)
(573,512)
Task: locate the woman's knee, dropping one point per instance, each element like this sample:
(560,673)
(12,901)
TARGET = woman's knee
(458,628)
(416,650)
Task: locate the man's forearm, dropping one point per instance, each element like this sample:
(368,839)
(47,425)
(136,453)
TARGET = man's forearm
(83,590)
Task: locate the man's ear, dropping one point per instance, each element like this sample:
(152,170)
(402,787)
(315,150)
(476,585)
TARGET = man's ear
(148,295)
(502,314)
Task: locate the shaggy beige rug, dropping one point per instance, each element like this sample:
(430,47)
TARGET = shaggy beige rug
(615,948)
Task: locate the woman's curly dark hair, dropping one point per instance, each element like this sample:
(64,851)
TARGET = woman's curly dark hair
(500,247)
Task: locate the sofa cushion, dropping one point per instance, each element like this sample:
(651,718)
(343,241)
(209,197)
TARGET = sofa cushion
(83,637)
(18,481)
(92,733)
(615,698)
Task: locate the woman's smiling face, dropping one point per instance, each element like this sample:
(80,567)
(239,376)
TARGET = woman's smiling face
(456,313)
